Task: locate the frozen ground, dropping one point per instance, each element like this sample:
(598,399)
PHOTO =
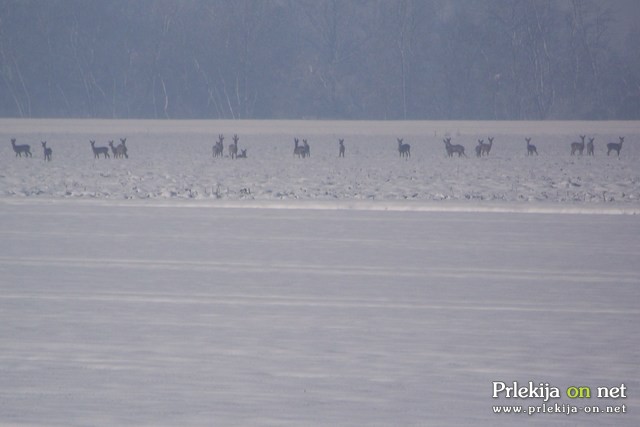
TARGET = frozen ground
(173,160)
(321,295)
(144,314)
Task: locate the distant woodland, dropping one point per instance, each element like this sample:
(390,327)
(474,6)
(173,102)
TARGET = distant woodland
(325,59)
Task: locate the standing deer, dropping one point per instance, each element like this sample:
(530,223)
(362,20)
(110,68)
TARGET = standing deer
(530,147)
(486,148)
(47,151)
(99,150)
(612,146)
(453,148)
(218,148)
(404,150)
(307,148)
(297,149)
(479,147)
(578,146)
(114,151)
(233,147)
(341,148)
(118,151)
(590,147)
(19,149)
(122,147)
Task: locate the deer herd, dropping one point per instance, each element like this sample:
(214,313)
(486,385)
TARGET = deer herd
(304,150)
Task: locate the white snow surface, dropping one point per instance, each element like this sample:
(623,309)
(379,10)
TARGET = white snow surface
(172,288)
(173,160)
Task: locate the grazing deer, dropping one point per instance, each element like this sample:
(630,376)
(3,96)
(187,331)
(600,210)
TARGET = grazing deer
(578,146)
(530,147)
(122,147)
(218,148)
(341,147)
(19,149)
(99,150)
(233,147)
(47,151)
(486,148)
(612,146)
(307,148)
(479,147)
(453,148)
(242,155)
(404,150)
(298,150)
(590,147)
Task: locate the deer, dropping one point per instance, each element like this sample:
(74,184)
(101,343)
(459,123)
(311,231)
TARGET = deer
(242,155)
(341,147)
(233,147)
(218,148)
(298,150)
(404,150)
(47,151)
(590,147)
(486,148)
(479,147)
(612,146)
(307,148)
(114,151)
(122,148)
(99,150)
(453,148)
(530,147)
(118,151)
(578,146)
(19,149)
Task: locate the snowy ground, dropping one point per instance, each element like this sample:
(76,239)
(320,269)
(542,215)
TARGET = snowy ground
(173,160)
(325,294)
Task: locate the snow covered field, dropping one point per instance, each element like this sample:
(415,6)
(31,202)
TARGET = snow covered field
(173,160)
(175,289)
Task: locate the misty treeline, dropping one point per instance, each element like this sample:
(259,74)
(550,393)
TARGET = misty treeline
(345,59)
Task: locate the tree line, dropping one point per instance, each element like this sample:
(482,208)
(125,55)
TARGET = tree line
(329,59)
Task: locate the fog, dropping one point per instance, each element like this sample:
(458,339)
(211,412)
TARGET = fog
(329,59)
